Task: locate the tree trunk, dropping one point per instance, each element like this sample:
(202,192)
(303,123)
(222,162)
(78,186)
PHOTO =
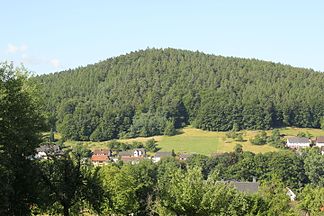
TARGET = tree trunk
(66,210)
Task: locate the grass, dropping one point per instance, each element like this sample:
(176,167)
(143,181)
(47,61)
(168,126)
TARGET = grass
(192,140)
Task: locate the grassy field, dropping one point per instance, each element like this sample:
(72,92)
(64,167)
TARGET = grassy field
(192,140)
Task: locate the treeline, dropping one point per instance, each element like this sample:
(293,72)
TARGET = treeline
(155,91)
(68,184)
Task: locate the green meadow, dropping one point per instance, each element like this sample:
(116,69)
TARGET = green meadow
(192,140)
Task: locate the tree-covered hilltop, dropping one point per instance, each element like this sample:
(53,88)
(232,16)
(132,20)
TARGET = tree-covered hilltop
(153,91)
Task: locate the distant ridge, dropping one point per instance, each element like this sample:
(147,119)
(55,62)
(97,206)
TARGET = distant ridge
(153,91)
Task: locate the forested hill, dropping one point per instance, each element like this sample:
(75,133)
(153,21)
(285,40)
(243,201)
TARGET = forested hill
(153,91)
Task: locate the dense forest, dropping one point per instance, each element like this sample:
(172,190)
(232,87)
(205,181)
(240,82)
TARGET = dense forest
(154,91)
(69,184)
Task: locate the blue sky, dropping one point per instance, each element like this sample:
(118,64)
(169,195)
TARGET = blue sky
(50,36)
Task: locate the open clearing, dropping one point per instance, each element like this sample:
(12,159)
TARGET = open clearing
(192,140)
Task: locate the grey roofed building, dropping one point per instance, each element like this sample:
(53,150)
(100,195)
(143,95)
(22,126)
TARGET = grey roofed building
(159,155)
(43,151)
(298,140)
(138,152)
(126,153)
(49,149)
(163,154)
(247,187)
(102,152)
(320,139)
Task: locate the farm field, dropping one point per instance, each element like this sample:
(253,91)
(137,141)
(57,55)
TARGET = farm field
(192,140)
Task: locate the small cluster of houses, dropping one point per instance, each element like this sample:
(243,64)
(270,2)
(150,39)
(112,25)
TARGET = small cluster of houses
(133,156)
(303,142)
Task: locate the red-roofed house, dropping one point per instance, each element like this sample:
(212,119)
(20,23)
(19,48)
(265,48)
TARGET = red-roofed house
(100,156)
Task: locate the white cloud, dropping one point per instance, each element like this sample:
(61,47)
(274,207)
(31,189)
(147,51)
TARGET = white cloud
(12,48)
(55,63)
(26,59)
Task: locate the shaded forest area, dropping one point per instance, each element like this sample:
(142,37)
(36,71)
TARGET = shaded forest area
(155,91)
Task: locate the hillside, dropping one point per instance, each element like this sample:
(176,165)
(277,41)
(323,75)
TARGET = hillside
(153,91)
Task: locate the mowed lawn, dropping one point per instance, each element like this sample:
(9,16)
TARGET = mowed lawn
(192,140)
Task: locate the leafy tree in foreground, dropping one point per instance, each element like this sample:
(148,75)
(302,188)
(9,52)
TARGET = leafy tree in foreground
(69,185)
(20,124)
(312,200)
(314,168)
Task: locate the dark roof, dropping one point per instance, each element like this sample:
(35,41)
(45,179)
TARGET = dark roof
(163,154)
(126,153)
(320,139)
(49,149)
(101,151)
(298,140)
(247,187)
(131,152)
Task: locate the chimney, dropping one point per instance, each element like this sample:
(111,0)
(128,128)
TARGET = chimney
(254,179)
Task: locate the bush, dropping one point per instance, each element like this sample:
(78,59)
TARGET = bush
(260,138)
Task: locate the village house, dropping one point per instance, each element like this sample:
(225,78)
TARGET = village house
(100,156)
(48,150)
(160,155)
(319,142)
(298,142)
(139,152)
(132,156)
(245,187)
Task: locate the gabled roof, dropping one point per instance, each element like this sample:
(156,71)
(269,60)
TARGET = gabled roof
(320,139)
(131,152)
(99,158)
(126,153)
(101,152)
(163,154)
(248,187)
(298,140)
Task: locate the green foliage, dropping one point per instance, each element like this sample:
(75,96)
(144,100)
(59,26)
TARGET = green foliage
(169,129)
(314,166)
(238,149)
(128,187)
(147,124)
(312,200)
(235,135)
(274,193)
(68,185)
(211,92)
(303,134)
(275,139)
(20,125)
(322,123)
(151,145)
(260,138)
